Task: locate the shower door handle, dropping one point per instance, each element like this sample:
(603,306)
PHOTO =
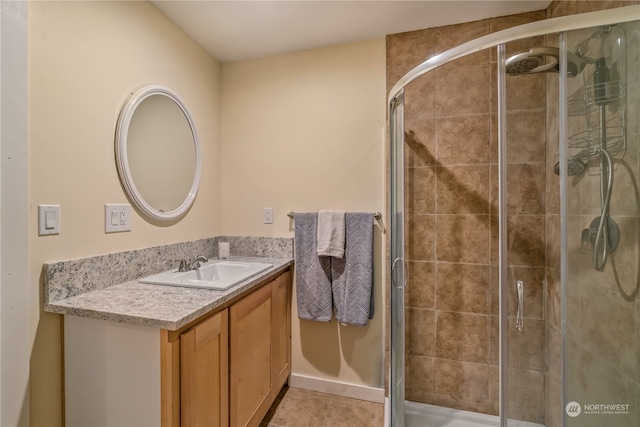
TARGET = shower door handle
(520,313)
(404,274)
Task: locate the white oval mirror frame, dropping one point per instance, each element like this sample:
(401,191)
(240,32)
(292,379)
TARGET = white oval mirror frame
(123,155)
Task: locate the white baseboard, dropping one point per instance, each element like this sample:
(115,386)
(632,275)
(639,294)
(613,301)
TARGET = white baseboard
(356,391)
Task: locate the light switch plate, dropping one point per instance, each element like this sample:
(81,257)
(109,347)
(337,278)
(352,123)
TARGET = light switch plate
(48,220)
(268,215)
(117,218)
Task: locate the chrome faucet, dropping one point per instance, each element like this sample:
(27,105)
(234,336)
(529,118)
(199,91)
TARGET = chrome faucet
(194,265)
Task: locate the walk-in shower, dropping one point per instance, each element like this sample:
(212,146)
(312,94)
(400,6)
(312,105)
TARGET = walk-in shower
(515,224)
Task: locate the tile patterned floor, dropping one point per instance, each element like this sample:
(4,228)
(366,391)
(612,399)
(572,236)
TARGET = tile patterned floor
(296,407)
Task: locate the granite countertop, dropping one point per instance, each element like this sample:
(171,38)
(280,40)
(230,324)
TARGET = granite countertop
(157,306)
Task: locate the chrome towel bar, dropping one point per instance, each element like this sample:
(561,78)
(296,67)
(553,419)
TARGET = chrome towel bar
(376,215)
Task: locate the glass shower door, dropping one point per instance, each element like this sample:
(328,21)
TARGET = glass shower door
(524,222)
(602,280)
(396,290)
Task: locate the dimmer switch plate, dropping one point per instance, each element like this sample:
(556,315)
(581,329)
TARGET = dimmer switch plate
(117,218)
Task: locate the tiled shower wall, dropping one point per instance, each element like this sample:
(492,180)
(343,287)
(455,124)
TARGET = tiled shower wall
(451,211)
(452,227)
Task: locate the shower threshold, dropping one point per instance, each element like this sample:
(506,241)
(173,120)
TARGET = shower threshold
(424,415)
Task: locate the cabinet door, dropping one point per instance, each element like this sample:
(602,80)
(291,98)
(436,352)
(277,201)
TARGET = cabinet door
(281,291)
(204,373)
(251,372)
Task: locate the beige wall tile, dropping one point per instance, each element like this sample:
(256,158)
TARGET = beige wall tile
(463,238)
(552,299)
(526,92)
(463,140)
(463,287)
(419,378)
(526,191)
(451,101)
(405,51)
(420,332)
(526,240)
(526,136)
(503,22)
(526,347)
(462,384)
(554,412)
(494,340)
(453,35)
(419,96)
(462,189)
(420,245)
(420,190)
(494,390)
(462,336)
(420,289)
(420,142)
(494,307)
(526,395)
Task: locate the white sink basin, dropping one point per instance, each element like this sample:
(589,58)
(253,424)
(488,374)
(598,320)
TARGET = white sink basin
(217,275)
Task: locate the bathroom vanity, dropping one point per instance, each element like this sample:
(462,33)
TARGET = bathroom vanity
(151,355)
(227,367)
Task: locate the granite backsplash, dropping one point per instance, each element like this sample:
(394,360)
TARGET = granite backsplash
(69,278)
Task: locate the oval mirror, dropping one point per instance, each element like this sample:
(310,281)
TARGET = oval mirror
(158,153)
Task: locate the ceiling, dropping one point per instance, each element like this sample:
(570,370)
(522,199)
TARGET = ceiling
(236,30)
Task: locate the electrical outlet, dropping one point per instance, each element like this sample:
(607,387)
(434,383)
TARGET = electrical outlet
(268,215)
(117,218)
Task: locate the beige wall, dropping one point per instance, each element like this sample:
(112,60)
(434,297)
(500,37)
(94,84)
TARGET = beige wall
(84,58)
(303,132)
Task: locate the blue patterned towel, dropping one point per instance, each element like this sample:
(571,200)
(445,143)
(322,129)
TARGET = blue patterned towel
(313,285)
(352,276)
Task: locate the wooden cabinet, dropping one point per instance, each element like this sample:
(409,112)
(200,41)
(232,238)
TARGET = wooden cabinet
(281,295)
(251,327)
(227,369)
(260,350)
(203,373)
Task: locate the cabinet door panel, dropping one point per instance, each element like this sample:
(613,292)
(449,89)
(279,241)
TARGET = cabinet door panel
(282,330)
(204,373)
(251,372)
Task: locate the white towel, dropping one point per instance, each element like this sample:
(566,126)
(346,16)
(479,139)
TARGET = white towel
(331,233)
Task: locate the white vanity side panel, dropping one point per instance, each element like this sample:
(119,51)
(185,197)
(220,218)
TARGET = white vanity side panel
(112,374)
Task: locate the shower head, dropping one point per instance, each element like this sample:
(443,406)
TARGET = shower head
(533,61)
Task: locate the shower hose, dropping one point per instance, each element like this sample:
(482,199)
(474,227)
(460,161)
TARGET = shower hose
(602,233)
